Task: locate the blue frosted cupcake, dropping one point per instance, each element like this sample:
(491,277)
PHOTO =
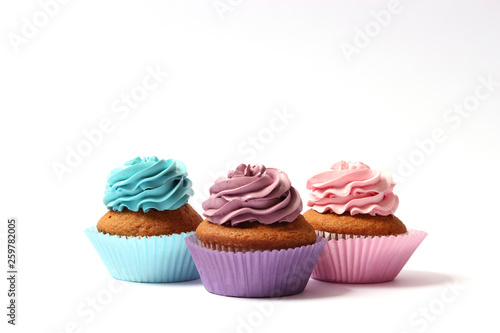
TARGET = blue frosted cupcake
(141,237)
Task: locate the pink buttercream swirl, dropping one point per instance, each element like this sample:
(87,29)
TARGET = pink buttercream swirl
(252,193)
(352,187)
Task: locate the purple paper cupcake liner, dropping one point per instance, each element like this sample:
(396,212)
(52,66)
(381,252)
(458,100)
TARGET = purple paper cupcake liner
(255,274)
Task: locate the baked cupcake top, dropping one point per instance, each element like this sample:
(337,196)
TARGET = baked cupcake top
(352,187)
(148,183)
(252,193)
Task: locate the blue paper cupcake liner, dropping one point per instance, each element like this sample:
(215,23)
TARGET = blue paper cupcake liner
(145,259)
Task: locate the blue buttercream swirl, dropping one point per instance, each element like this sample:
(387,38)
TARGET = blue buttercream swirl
(148,183)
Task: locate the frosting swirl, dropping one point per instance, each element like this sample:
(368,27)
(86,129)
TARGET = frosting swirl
(253,193)
(352,187)
(148,183)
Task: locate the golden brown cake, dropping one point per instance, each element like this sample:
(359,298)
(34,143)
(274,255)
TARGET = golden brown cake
(360,224)
(254,208)
(152,223)
(257,236)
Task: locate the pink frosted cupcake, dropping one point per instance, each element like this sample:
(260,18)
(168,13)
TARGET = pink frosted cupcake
(353,207)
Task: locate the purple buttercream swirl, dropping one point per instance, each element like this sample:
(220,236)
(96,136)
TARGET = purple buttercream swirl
(253,193)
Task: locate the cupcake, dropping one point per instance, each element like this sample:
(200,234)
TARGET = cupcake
(353,208)
(254,241)
(141,237)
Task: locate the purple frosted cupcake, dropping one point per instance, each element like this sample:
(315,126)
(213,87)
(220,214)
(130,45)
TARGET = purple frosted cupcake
(254,241)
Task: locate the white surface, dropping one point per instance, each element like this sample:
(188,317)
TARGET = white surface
(226,78)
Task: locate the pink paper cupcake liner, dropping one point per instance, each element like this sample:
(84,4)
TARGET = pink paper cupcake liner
(255,274)
(376,259)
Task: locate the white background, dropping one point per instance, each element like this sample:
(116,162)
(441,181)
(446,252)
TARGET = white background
(229,75)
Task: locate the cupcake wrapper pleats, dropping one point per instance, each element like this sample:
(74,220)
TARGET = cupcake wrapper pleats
(365,260)
(145,259)
(255,274)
